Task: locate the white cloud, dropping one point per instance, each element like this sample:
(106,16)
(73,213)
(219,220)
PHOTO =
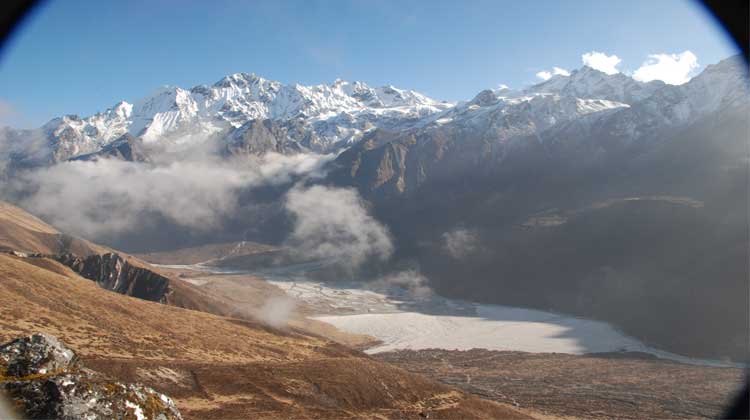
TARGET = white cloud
(544,75)
(601,61)
(333,223)
(277,311)
(674,69)
(110,196)
(460,242)
(412,281)
(556,71)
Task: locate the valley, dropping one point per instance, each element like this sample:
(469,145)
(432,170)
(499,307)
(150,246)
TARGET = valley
(214,366)
(543,364)
(398,320)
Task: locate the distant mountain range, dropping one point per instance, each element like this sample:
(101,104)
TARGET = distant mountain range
(250,114)
(317,118)
(587,116)
(591,194)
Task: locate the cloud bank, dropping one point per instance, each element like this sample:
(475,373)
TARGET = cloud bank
(674,69)
(109,196)
(333,223)
(602,62)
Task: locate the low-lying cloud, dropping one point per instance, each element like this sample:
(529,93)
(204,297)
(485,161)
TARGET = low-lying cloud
(276,311)
(460,243)
(674,69)
(412,281)
(109,196)
(31,144)
(333,223)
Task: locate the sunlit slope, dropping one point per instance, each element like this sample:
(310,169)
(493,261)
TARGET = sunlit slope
(21,231)
(215,366)
(134,277)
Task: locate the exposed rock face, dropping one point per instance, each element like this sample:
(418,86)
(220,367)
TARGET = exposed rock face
(45,380)
(126,147)
(262,136)
(112,272)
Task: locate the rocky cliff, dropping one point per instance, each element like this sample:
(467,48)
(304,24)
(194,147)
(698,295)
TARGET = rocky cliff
(113,272)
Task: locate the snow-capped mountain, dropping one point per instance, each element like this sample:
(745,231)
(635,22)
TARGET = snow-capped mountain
(504,115)
(581,115)
(250,114)
(589,83)
(336,114)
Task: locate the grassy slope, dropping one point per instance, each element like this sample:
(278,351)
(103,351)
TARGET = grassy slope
(215,366)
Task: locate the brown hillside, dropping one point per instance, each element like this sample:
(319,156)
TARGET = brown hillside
(23,232)
(20,231)
(218,367)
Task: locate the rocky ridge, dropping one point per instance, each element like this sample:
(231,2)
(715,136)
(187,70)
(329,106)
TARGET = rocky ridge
(320,117)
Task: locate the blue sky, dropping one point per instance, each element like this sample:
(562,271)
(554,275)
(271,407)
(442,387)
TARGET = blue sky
(79,57)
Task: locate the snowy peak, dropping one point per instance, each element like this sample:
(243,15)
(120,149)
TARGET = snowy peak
(719,85)
(502,118)
(339,112)
(328,117)
(589,83)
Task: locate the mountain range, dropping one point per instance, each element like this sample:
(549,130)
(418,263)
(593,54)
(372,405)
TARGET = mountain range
(588,193)
(317,118)
(325,118)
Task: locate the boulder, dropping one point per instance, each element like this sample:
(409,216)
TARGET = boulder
(45,380)
(37,354)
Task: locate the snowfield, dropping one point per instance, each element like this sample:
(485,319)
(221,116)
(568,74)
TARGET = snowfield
(402,323)
(495,328)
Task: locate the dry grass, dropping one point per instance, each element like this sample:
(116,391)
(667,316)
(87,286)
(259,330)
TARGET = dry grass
(21,231)
(590,386)
(218,367)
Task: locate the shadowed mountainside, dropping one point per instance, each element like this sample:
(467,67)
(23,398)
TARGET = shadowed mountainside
(648,234)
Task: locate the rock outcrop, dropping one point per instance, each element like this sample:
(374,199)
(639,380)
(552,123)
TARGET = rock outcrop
(38,354)
(257,137)
(113,272)
(44,379)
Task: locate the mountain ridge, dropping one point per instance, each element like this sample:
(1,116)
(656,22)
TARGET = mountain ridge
(329,117)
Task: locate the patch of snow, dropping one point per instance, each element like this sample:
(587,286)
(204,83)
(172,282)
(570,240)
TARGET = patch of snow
(137,411)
